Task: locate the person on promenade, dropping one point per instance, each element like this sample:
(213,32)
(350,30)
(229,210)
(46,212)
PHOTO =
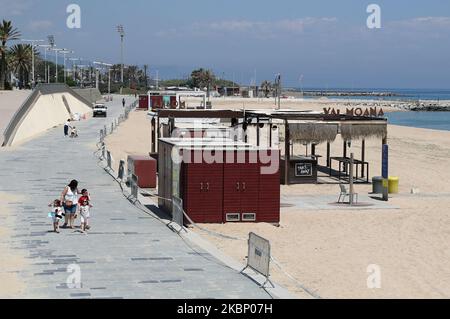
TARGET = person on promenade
(123,102)
(84,204)
(66,128)
(74,132)
(56,214)
(69,198)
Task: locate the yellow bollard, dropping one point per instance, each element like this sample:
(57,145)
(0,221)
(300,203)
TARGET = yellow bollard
(393,184)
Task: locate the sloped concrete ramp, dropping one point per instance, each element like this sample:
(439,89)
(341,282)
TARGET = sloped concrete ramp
(49,105)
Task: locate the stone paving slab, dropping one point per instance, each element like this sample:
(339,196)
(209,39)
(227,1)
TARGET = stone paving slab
(126,254)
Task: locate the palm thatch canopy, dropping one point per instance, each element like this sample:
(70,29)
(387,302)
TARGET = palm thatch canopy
(362,131)
(313,132)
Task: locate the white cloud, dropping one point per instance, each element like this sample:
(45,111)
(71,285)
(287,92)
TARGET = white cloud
(40,25)
(259,29)
(423,23)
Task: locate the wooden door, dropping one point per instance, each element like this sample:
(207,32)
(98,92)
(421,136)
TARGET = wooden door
(203,192)
(231,187)
(249,178)
(269,194)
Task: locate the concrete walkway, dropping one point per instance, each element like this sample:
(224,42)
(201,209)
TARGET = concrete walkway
(127,254)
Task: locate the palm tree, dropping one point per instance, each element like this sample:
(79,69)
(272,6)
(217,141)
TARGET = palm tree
(266,87)
(7,33)
(20,56)
(203,78)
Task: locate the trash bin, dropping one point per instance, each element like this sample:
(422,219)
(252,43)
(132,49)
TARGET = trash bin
(393,184)
(377,185)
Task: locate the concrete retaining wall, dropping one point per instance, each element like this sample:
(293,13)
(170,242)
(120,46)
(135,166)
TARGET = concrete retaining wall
(92,95)
(48,106)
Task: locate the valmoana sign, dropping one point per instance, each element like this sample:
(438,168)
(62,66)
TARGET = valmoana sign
(358,111)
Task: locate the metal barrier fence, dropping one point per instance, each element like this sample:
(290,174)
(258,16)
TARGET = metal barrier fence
(134,186)
(259,256)
(108,159)
(120,174)
(177,211)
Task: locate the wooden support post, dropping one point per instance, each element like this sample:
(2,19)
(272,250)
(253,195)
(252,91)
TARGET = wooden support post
(270,133)
(345,149)
(287,156)
(363,157)
(153,132)
(345,155)
(313,149)
(157,133)
(328,154)
(257,132)
(352,190)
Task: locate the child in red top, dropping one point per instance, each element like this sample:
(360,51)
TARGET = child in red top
(84,208)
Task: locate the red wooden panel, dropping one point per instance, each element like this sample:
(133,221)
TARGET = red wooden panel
(250,172)
(231,187)
(143,101)
(269,196)
(204,192)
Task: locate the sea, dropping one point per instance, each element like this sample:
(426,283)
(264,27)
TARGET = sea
(428,120)
(400,94)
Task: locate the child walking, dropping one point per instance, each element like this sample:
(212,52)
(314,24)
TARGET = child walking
(57,214)
(85,206)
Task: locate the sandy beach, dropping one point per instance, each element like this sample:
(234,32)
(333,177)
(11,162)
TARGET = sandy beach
(329,251)
(11,262)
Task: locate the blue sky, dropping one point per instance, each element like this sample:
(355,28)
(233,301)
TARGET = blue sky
(326,41)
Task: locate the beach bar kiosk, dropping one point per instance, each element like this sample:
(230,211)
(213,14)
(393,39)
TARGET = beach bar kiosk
(219,180)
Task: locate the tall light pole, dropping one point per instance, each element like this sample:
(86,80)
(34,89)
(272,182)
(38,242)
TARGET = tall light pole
(122,35)
(51,42)
(81,70)
(46,47)
(278,85)
(66,51)
(109,73)
(33,78)
(56,62)
(74,67)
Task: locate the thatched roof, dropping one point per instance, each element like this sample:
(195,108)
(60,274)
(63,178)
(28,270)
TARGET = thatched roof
(313,132)
(361,131)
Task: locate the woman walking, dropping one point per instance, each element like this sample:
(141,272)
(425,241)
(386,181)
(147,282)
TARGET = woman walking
(69,198)
(66,127)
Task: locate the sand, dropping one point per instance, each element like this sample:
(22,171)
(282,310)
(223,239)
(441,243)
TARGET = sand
(329,251)
(10,102)
(10,262)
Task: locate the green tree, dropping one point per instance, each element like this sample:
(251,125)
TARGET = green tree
(203,78)
(267,88)
(7,33)
(20,59)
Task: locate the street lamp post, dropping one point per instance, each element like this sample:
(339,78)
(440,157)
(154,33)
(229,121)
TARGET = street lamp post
(122,35)
(109,73)
(81,70)
(74,67)
(66,51)
(33,78)
(46,47)
(56,62)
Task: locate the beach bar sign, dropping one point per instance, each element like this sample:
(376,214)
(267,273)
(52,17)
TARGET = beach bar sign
(358,111)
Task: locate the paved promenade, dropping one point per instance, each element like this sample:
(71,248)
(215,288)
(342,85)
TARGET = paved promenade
(127,254)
